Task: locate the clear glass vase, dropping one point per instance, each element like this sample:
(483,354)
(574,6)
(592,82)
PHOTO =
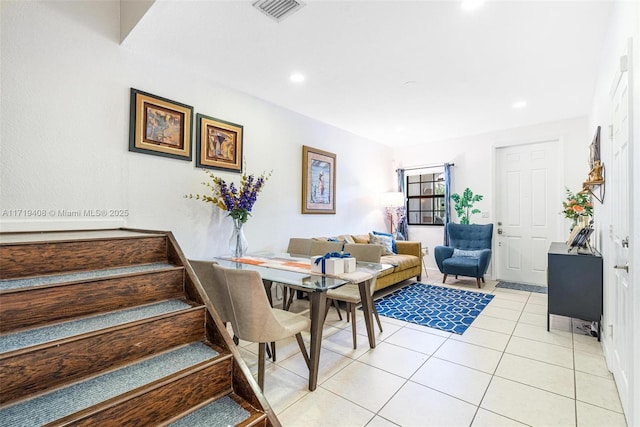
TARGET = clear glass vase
(238,242)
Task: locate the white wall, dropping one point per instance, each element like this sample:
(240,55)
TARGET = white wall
(473,158)
(64,140)
(623,25)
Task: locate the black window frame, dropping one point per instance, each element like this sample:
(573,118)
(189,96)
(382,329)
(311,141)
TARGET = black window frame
(428,202)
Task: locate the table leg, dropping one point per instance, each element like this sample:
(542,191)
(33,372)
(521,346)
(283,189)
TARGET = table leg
(318,302)
(367,309)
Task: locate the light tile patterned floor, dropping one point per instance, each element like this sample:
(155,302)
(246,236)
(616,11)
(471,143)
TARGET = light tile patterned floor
(505,370)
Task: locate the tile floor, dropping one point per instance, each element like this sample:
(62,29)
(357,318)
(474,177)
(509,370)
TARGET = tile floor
(505,370)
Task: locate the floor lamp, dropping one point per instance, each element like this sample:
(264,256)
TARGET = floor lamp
(392,202)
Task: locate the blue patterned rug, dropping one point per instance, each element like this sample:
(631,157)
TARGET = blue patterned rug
(450,310)
(523,287)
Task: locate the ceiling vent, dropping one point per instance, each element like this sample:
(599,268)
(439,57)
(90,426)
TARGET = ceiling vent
(278,9)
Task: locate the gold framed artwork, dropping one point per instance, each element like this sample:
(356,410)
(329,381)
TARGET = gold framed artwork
(318,181)
(160,126)
(218,144)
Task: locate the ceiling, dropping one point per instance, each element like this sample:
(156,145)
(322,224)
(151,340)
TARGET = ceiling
(397,72)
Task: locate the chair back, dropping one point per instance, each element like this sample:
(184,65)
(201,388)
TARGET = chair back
(470,236)
(321,247)
(299,246)
(364,251)
(251,314)
(213,287)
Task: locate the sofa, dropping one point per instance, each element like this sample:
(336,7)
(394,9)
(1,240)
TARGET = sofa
(406,261)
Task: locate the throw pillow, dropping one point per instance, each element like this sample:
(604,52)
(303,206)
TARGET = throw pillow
(466,253)
(393,240)
(360,238)
(345,238)
(385,241)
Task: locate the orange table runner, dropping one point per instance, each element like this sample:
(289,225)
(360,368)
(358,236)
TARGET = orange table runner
(301,267)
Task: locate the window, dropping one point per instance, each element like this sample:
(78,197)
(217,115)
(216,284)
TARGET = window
(425,198)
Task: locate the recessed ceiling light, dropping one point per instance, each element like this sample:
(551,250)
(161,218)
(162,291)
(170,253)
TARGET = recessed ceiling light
(519,104)
(297,77)
(468,5)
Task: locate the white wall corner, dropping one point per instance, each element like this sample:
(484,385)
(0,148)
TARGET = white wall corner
(131,11)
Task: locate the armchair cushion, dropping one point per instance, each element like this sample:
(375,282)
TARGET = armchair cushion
(465,253)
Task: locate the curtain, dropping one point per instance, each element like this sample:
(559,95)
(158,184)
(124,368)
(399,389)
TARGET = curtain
(403,228)
(447,202)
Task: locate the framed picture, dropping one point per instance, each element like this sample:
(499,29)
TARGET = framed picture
(318,181)
(219,144)
(160,126)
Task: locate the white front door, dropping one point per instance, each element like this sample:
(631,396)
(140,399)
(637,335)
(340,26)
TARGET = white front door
(619,296)
(528,199)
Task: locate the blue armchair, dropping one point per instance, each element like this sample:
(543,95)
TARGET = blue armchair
(469,252)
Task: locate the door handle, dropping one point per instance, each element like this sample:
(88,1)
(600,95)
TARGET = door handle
(622,267)
(625,242)
(499,230)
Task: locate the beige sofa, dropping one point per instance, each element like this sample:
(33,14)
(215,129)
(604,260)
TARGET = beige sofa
(407,262)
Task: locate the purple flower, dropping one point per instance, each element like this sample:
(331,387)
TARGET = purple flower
(237,201)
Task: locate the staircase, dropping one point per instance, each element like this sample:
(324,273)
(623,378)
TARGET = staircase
(112,328)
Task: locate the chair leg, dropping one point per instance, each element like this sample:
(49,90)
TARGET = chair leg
(352,307)
(375,312)
(483,280)
(478,282)
(261,354)
(273,351)
(335,304)
(268,351)
(290,300)
(303,349)
(328,307)
(444,278)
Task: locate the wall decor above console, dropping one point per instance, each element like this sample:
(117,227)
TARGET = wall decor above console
(160,126)
(595,180)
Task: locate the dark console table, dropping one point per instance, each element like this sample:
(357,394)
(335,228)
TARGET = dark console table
(575,284)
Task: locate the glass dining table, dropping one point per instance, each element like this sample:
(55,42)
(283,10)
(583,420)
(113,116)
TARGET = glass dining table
(294,271)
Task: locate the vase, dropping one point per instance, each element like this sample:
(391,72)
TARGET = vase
(238,242)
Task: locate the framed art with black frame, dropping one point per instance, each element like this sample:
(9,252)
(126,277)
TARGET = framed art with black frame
(218,144)
(160,126)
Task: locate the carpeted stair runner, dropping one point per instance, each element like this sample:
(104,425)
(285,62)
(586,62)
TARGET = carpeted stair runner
(221,413)
(68,400)
(10,284)
(89,324)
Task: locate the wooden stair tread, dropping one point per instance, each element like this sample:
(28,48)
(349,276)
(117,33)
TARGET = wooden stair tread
(222,412)
(80,396)
(79,276)
(63,330)
(61,236)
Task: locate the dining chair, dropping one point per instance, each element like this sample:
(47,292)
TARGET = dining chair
(350,293)
(214,291)
(299,246)
(252,317)
(321,247)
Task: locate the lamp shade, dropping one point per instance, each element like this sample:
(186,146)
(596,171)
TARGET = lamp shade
(392,199)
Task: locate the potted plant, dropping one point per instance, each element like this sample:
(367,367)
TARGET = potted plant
(464,204)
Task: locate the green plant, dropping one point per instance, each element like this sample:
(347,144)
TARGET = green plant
(577,206)
(464,204)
